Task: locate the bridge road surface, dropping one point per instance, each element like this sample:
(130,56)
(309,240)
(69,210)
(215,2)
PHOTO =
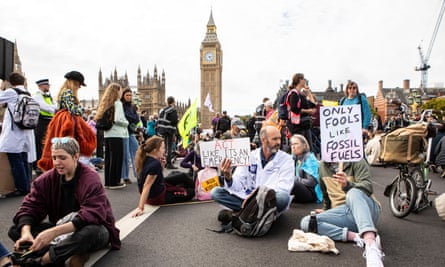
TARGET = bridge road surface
(177,235)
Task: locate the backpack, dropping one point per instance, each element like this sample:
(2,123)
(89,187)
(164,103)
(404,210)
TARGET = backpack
(223,124)
(284,112)
(205,181)
(257,213)
(106,122)
(282,107)
(26,111)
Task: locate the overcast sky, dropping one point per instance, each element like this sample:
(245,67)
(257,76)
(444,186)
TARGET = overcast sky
(263,42)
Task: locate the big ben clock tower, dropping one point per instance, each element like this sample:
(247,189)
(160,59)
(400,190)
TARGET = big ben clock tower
(211,69)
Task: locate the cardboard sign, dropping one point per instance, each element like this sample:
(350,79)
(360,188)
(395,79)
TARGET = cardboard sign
(6,179)
(237,150)
(341,133)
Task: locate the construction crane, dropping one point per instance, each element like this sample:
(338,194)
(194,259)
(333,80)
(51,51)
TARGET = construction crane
(424,58)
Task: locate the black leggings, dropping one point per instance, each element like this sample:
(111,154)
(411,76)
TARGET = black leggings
(303,194)
(88,239)
(184,191)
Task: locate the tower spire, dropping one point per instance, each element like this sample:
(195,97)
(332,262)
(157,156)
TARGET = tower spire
(211,36)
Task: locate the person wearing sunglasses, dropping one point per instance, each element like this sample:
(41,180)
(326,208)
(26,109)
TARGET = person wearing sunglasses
(71,196)
(352,97)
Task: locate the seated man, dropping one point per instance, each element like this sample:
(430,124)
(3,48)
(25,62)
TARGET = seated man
(80,218)
(350,212)
(269,166)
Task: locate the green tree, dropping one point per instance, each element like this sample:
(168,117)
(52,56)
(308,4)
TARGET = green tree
(437,105)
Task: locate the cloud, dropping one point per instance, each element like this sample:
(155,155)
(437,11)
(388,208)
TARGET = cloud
(263,42)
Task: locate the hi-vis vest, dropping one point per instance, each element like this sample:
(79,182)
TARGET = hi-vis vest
(48,99)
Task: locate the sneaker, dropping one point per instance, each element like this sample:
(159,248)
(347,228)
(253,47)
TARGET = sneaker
(119,186)
(128,181)
(374,254)
(225,216)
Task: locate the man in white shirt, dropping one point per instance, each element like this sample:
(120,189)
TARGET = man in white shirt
(47,111)
(16,142)
(269,166)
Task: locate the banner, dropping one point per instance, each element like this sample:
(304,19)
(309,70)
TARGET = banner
(341,133)
(208,103)
(188,121)
(329,103)
(237,150)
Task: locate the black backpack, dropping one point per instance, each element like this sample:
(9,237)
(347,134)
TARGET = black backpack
(283,104)
(257,213)
(106,122)
(223,124)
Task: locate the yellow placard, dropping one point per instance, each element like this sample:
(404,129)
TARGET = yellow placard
(210,183)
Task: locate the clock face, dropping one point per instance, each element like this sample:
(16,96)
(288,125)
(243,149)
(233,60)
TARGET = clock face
(209,56)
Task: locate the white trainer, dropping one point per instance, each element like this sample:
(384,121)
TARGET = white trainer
(374,254)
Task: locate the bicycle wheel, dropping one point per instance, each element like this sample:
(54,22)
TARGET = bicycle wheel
(402,196)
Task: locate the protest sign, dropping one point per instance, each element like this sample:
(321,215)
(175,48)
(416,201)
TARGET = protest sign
(237,150)
(341,133)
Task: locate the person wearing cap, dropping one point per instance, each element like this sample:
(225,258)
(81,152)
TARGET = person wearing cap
(47,110)
(67,213)
(68,121)
(237,129)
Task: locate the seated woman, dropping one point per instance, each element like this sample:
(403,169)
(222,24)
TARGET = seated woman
(73,199)
(154,188)
(192,161)
(306,187)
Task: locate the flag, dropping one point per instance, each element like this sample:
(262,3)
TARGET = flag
(208,103)
(187,122)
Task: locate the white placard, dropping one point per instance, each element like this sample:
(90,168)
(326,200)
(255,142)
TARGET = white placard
(237,150)
(341,133)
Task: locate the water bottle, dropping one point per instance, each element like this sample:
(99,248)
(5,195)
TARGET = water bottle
(313,228)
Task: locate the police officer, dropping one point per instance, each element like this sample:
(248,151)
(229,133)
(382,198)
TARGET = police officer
(47,110)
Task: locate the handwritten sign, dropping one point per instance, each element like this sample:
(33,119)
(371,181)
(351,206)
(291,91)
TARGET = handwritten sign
(237,150)
(341,133)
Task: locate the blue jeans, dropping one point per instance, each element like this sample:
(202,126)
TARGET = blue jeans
(3,251)
(126,148)
(134,145)
(359,214)
(233,202)
(20,170)
(130,147)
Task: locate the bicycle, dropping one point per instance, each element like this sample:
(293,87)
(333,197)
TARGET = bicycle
(410,189)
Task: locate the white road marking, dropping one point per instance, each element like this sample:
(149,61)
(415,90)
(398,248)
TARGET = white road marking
(126,225)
